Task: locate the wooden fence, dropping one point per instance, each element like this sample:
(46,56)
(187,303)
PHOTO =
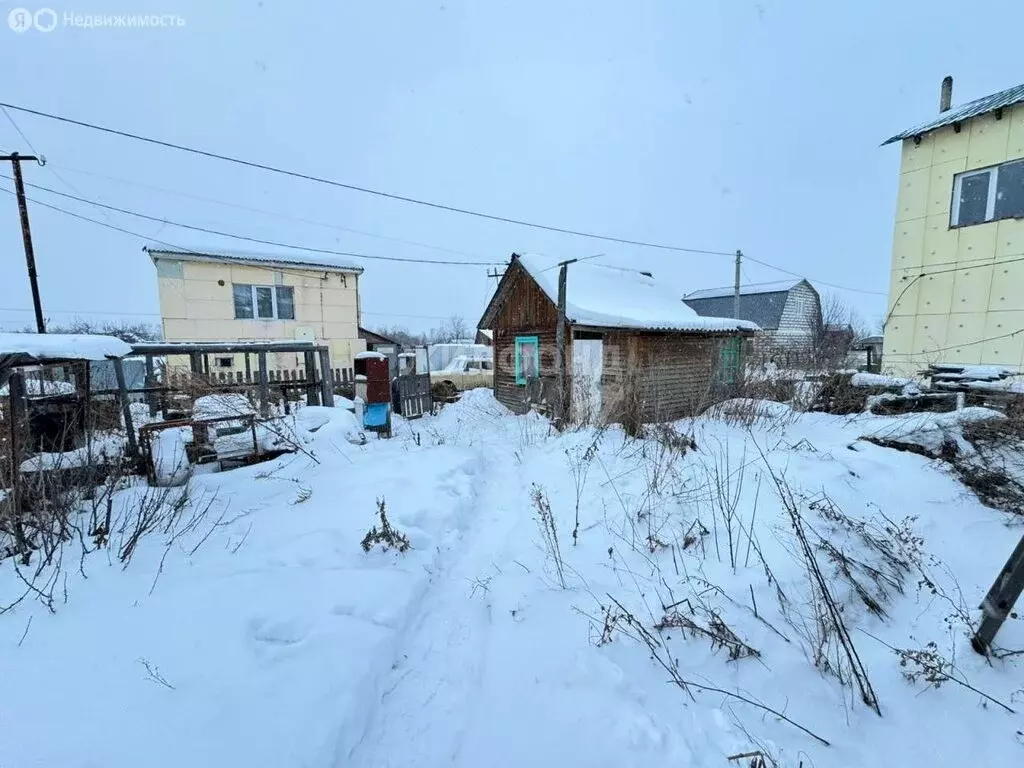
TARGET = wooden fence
(177,380)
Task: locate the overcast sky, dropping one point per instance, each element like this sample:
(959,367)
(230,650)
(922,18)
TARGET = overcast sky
(712,125)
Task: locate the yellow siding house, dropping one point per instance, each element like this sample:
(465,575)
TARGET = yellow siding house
(228,296)
(956,290)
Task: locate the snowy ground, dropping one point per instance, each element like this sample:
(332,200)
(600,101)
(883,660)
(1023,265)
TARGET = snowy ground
(281,643)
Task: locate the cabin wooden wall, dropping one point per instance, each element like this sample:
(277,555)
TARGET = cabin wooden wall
(527,312)
(657,377)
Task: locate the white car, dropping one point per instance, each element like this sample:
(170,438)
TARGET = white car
(464,373)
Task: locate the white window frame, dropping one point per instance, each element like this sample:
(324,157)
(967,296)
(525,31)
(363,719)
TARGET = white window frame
(273,300)
(990,203)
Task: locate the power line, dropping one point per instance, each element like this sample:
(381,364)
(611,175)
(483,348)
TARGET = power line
(20,132)
(411,200)
(52,170)
(273,243)
(357,188)
(264,211)
(157,314)
(813,280)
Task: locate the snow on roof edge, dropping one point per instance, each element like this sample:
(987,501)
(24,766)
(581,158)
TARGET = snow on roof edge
(644,305)
(62,346)
(251,257)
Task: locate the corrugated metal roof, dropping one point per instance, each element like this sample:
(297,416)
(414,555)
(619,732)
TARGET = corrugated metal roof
(258,259)
(981,106)
(764,309)
(745,290)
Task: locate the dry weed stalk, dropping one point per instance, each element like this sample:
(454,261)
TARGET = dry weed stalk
(829,619)
(549,532)
(717,631)
(636,630)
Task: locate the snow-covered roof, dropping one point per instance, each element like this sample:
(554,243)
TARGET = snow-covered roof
(370,356)
(778,286)
(609,297)
(311,260)
(62,346)
(984,105)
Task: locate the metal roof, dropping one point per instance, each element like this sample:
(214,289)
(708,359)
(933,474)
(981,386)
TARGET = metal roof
(254,259)
(1007,98)
(745,290)
(761,304)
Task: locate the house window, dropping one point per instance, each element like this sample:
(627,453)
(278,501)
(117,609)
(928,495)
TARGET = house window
(225,362)
(527,358)
(988,195)
(729,361)
(264,302)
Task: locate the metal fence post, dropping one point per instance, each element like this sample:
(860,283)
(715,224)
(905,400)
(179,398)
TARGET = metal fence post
(1000,599)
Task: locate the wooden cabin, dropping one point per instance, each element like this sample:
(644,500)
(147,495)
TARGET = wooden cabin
(635,351)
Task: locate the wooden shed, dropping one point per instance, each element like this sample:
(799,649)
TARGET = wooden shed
(635,352)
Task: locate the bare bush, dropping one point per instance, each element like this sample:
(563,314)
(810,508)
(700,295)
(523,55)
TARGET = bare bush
(832,647)
(724,485)
(549,533)
(895,547)
(928,665)
(716,630)
(629,625)
(386,536)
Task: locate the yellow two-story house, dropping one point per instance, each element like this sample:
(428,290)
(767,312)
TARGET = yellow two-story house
(230,296)
(956,289)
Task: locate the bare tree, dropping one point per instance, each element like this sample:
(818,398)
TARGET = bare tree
(129,332)
(455,328)
(841,325)
(402,335)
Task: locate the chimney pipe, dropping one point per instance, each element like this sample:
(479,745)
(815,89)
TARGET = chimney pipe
(946,96)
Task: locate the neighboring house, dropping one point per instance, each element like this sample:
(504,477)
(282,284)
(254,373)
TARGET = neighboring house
(634,351)
(956,289)
(232,296)
(788,314)
(871,347)
(376,342)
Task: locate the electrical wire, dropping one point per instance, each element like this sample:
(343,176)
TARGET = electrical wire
(52,170)
(24,310)
(357,188)
(261,241)
(262,211)
(412,200)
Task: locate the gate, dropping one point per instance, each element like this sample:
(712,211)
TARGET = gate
(414,395)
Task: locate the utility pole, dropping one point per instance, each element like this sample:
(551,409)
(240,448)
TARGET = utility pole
(736,286)
(1000,599)
(562,403)
(26,234)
